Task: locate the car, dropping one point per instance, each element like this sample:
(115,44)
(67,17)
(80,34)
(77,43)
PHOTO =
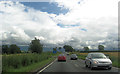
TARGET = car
(67,53)
(97,60)
(61,57)
(73,57)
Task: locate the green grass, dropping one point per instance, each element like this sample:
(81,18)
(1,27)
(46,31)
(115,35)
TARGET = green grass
(115,61)
(25,62)
(32,67)
(82,57)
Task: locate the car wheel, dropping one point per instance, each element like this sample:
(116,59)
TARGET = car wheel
(91,66)
(109,68)
(86,64)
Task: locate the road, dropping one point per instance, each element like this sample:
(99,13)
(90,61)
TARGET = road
(73,66)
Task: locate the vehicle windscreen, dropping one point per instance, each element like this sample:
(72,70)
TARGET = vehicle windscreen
(98,56)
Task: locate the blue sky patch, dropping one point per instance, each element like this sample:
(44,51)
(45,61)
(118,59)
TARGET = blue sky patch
(67,26)
(83,29)
(46,7)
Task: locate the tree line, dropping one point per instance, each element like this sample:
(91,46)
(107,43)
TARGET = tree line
(100,48)
(13,48)
(36,47)
(69,48)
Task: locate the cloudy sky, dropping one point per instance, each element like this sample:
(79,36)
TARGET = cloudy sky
(77,23)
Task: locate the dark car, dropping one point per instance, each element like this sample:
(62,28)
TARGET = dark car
(61,57)
(73,57)
(67,53)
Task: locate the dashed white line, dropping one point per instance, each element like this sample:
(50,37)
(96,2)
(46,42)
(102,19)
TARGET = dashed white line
(46,66)
(76,65)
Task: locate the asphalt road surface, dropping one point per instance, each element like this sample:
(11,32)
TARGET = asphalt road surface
(73,66)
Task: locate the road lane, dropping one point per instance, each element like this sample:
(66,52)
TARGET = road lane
(73,66)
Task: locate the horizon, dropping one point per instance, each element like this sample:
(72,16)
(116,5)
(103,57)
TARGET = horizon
(46,48)
(63,48)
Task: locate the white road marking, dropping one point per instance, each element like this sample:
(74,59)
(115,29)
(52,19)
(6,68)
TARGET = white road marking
(76,65)
(46,66)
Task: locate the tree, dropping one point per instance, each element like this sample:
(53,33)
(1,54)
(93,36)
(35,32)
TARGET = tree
(59,48)
(54,49)
(101,47)
(86,48)
(77,50)
(73,50)
(5,48)
(68,48)
(14,49)
(36,46)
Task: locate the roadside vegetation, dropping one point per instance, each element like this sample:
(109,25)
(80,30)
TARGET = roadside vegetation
(112,55)
(13,60)
(17,62)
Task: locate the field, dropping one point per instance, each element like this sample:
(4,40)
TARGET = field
(114,56)
(25,62)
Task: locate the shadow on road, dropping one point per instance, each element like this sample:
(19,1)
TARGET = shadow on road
(61,61)
(96,69)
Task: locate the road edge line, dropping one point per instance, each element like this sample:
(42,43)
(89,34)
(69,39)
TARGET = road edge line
(46,66)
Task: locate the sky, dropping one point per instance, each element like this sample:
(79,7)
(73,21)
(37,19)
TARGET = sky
(78,23)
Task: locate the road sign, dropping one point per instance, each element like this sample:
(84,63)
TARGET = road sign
(54,51)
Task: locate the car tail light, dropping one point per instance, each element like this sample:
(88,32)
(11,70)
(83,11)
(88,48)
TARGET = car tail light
(64,57)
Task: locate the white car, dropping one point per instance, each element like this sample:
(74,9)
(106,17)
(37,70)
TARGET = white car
(73,57)
(98,60)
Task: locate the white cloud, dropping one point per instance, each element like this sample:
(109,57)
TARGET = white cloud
(23,25)
(98,17)
(88,10)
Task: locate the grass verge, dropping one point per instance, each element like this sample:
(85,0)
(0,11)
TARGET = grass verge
(26,62)
(32,67)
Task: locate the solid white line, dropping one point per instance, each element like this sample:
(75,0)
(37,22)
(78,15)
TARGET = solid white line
(46,66)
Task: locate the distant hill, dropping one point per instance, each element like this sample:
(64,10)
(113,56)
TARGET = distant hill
(25,48)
